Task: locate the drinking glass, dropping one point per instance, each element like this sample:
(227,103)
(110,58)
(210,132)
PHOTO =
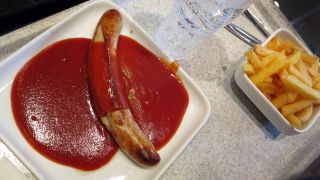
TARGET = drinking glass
(191,20)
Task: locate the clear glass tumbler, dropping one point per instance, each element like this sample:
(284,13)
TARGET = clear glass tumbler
(191,20)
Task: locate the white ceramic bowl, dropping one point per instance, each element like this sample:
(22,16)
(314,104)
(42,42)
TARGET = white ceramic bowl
(263,104)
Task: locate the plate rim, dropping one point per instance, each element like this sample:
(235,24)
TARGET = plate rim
(204,99)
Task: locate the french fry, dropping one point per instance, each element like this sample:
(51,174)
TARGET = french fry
(254,60)
(269,58)
(305,79)
(302,68)
(308,58)
(268,88)
(261,51)
(275,44)
(305,113)
(315,67)
(289,44)
(248,69)
(317,86)
(295,84)
(276,81)
(268,80)
(268,71)
(283,73)
(294,58)
(313,72)
(284,99)
(288,76)
(289,49)
(296,106)
(315,103)
(294,121)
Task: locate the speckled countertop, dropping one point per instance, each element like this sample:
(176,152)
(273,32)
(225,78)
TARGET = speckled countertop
(237,142)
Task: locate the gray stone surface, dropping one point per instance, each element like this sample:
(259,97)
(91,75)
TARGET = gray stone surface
(237,142)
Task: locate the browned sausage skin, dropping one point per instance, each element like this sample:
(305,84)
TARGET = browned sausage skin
(119,120)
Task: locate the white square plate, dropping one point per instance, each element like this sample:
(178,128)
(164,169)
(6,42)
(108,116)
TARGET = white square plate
(263,104)
(82,24)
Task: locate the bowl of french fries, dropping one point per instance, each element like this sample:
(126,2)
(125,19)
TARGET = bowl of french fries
(281,77)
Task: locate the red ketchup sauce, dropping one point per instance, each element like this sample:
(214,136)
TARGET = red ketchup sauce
(100,72)
(157,98)
(52,107)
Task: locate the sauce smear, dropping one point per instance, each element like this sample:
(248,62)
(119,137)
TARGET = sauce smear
(53,110)
(52,107)
(157,98)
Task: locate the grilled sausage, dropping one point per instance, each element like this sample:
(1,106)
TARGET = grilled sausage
(106,84)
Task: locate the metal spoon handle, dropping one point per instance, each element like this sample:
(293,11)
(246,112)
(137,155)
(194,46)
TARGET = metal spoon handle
(257,22)
(242,34)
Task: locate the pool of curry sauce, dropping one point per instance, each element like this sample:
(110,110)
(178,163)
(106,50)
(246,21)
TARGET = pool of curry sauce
(53,110)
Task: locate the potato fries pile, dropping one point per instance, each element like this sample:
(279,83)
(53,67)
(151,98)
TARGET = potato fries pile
(288,76)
